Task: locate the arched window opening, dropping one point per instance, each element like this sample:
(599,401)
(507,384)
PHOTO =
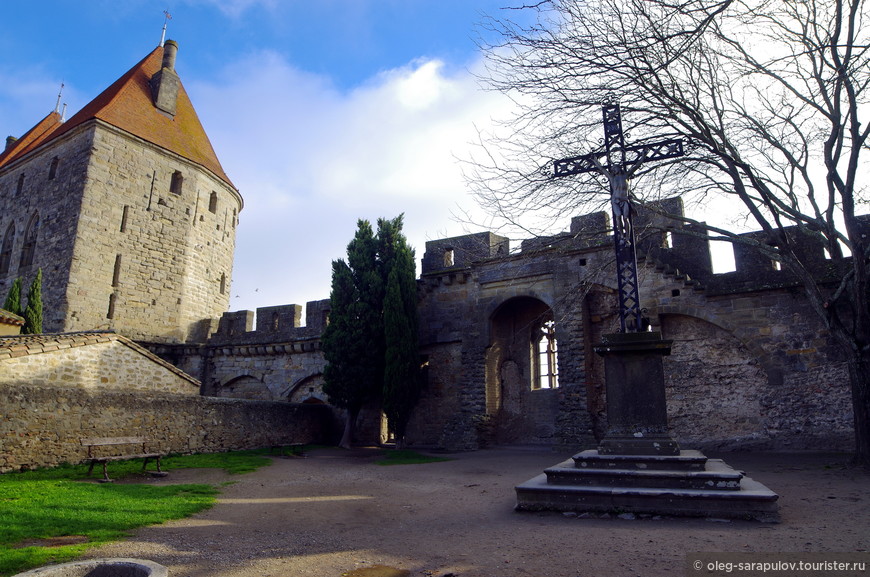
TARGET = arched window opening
(223,283)
(52,169)
(176,183)
(6,249)
(212,202)
(449,257)
(30,237)
(546,371)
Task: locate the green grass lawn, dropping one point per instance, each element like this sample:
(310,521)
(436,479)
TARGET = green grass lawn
(407,457)
(53,503)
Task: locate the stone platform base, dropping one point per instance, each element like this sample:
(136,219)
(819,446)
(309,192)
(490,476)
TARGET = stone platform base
(688,484)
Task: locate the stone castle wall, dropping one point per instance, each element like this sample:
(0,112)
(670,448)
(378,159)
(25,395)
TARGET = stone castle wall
(751,365)
(30,193)
(169,259)
(43,426)
(57,389)
(278,359)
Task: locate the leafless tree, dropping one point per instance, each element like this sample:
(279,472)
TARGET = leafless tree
(768,96)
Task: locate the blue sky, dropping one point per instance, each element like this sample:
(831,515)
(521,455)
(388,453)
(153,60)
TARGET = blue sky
(321,111)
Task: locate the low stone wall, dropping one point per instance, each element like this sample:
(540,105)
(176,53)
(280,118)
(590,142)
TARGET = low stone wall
(41,426)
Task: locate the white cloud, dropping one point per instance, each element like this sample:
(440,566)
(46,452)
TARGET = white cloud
(310,160)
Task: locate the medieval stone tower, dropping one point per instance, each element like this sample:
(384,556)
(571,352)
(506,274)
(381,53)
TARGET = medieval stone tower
(125,208)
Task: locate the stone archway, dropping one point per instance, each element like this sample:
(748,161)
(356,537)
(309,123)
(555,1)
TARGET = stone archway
(521,396)
(307,390)
(246,387)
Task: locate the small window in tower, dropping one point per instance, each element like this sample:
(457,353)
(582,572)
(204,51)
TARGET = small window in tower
(212,202)
(176,183)
(124,215)
(30,236)
(6,250)
(116,274)
(223,283)
(448,257)
(235,218)
(52,169)
(20,188)
(110,314)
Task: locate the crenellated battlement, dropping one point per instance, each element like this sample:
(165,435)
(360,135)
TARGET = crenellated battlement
(662,241)
(273,324)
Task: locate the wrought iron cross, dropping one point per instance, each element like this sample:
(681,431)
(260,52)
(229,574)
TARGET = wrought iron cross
(618,163)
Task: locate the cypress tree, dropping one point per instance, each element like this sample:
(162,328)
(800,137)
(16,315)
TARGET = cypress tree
(13,299)
(401,372)
(33,312)
(351,343)
(370,344)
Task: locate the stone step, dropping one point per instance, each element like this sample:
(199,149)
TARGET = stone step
(716,476)
(752,501)
(687,460)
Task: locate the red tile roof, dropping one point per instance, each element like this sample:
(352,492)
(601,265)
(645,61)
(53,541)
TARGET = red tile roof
(127,105)
(34,137)
(8,318)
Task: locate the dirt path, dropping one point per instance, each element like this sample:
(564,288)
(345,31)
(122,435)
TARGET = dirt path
(334,512)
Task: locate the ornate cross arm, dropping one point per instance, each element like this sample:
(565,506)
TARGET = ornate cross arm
(634,156)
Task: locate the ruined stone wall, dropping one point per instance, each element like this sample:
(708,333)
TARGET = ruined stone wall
(752,369)
(278,359)
(43,426)
(751,365)
(457,309)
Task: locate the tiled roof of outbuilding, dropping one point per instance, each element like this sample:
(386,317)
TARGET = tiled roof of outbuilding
(8,318)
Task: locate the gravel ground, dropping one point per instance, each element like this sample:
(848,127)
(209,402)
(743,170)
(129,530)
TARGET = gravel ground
(335,513)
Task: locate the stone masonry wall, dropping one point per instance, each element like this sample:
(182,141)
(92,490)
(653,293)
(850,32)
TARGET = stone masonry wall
(27,190)
(156,261)
(751,366)
(42,426)
(120,251)
(90,361)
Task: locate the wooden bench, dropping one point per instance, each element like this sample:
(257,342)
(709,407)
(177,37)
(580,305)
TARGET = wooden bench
(139,452)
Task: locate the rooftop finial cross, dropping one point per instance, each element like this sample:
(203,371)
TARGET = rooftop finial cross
(618,163)
(166,18)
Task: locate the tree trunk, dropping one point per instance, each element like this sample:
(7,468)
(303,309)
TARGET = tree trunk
(349,425)
(859,374)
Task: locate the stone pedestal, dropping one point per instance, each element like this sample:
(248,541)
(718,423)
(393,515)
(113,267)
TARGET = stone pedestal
(634,379)
(638,467)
